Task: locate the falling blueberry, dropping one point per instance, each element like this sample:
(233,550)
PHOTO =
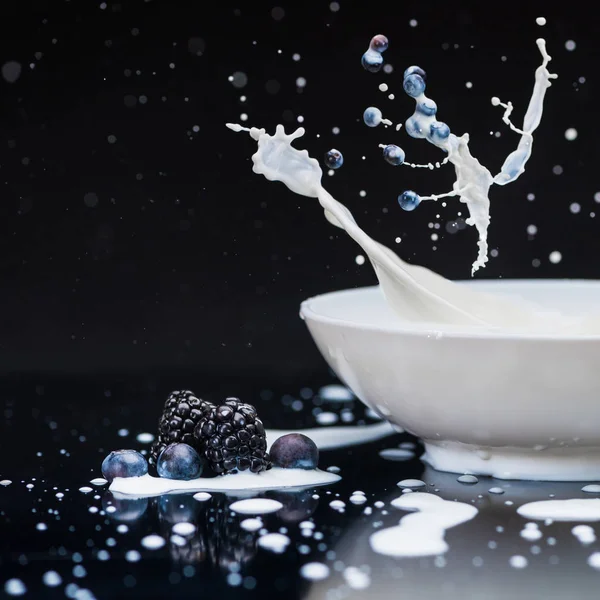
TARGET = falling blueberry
(439,131)
(414,85)
(124,463)
(413,128)
(179,461)
(417,70)
(427,107)
(334,159)
(379,43)
(394,154)
(372,61)
(295,451)
(409,200)
(372,116)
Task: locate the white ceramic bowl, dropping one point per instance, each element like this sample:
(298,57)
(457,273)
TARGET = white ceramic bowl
(513,406)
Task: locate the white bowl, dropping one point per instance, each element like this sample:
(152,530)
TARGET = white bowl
(509,405)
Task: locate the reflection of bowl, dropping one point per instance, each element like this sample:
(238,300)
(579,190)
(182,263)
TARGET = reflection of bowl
(511,405)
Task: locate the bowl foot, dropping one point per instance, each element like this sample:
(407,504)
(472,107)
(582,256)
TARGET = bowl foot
(549,464)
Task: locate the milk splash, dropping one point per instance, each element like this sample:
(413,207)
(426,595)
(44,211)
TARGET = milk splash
(413,292)
(473,180)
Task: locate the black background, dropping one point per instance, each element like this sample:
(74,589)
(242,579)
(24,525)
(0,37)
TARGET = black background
(190,261)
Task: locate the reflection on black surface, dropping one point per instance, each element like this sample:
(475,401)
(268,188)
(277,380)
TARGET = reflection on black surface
(127,509)
(298,505)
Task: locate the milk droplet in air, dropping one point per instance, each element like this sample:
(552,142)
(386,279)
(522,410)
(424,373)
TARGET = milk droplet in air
(360,260)
(570,45)
(541,21)
(555,257)
(571,134)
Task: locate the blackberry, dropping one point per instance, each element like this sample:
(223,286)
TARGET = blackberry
(232,438)
(182,412)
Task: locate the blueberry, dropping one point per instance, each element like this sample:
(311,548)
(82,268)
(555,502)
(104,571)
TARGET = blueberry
(372,61)
(409,200)
(414,128)
(379,43)
(439,131)
(414,85)
(372,116)
(179,461)
(295,451)
(394,154)
(334,159)
(415,69)
(124,463)
(427,107)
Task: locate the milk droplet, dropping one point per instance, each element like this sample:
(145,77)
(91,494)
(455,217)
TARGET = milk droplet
(145,438)
(5,482)
(202,496)
(256,506)
(98,481)
(132,556)
(496,490)
(397,454)
(251,524)
(360,259)
(592,488)
(51,579)
(555,257)
(327,418)
(15,587)
(571,134)
(468,479)
(594,560)
(339,393)
(541,21)
(184,529)
(411,483)
(356,579)
(314,571)
(570,45)
(518,562)
(274,542)
(153,542)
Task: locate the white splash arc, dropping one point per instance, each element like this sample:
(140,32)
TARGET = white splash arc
(473,180)
(421,533)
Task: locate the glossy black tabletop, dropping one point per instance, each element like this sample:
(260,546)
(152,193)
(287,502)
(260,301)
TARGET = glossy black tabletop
(56,431)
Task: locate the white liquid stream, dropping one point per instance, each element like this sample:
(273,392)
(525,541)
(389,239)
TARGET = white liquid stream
(413,292)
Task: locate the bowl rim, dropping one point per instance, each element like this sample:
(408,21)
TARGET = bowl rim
(441,330)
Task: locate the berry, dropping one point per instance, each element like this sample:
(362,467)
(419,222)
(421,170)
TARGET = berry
(394,154)
(379,43)
(124,463)
(414,85)
(427,107)
(414,128)
(439,131)
(415,69)
(179,461)
(371,61)
(295,451)
(334,159)
(182,412)
(232,438)
(409,200)
(372,116)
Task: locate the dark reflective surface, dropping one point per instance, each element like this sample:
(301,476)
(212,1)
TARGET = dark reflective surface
(56,432)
